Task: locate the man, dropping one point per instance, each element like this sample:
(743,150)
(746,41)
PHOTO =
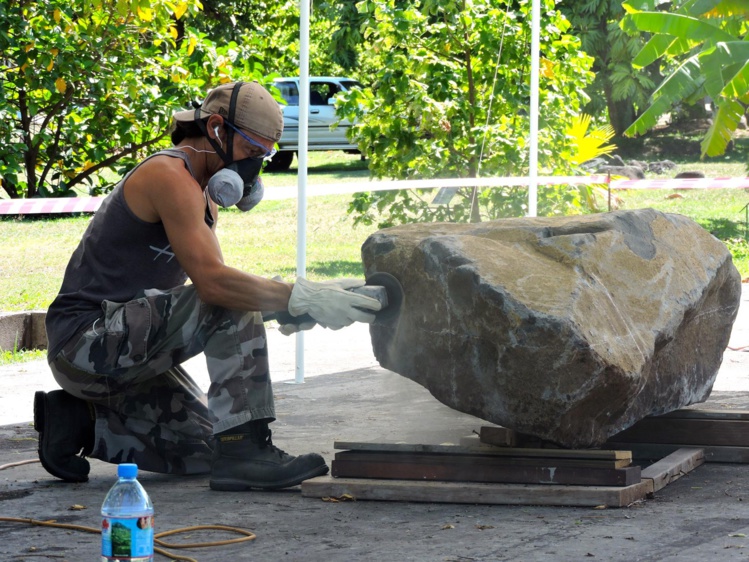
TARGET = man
(125,320)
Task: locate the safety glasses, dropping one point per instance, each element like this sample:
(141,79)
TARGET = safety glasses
(268,153)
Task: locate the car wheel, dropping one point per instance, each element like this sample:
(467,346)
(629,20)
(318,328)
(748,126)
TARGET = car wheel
(280,161)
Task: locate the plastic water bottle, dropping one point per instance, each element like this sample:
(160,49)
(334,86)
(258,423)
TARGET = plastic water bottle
(127,520)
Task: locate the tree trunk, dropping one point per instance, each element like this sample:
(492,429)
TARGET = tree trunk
(32,152)
(621,113)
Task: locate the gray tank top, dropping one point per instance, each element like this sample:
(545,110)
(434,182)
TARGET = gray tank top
(118,256)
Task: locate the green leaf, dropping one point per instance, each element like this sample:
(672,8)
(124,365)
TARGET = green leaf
(679,25)
(700,7)
(723,7)
(681,83)
(653,50)
(724,124)
(738,86)
(725,64)
(641,5)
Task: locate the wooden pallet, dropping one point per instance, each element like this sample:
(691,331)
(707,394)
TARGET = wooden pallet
(492,475)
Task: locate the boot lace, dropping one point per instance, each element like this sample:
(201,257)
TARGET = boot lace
(267,442)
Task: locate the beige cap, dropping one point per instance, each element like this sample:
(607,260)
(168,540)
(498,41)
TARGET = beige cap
(256,110)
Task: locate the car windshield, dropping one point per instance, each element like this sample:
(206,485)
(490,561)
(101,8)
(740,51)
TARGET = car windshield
(348,84)
(320,92)
(289,92)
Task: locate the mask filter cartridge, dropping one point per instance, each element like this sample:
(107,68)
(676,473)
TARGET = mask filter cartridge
(225,187)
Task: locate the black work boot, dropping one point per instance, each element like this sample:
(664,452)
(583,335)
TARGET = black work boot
(249,459)
(66,434)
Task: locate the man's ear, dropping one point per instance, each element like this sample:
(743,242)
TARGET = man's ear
(214,125)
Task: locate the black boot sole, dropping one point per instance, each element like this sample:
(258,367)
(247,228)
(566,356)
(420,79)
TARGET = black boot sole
(40,425)
(241,485)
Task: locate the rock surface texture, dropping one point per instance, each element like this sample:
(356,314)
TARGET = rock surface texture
(570,329)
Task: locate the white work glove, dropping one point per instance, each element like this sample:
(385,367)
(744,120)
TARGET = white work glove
(288,329)
(330,304)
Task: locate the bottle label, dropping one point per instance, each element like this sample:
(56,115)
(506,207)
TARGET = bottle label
(127,539)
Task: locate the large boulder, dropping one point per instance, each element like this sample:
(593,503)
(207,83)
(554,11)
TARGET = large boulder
(567,328)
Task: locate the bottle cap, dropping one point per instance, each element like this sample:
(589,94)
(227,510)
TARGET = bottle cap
(127,470)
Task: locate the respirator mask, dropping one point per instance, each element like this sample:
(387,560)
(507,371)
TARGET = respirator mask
(239,182)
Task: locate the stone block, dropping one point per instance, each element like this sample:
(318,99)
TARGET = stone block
(567,328)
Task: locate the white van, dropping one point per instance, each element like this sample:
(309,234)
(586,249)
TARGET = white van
(321,116)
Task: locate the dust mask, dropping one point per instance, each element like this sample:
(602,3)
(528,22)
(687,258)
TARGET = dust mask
(225,187)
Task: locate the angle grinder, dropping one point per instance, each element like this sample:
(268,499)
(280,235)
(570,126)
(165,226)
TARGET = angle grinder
(380,286)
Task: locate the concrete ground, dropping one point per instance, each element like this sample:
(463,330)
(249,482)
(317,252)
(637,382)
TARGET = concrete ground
(346,396)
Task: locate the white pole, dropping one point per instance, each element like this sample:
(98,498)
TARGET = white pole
(301,223)
(533,145)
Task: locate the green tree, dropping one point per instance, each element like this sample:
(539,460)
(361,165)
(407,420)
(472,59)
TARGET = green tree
(443,105)
(271,32)
(618,89)
(87,86)
(703,45)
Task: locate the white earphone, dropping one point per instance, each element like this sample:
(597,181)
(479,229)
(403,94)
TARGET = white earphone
(218,138)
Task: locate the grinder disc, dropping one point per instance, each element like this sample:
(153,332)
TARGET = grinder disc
(395,296)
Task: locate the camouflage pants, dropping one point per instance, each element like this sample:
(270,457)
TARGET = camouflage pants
(148,409)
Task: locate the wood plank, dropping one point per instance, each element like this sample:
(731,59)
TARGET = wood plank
(738,455)
(475,493)
(499,451)
(498,435)
(452,471)
(673,467)
(706,414)
(722,433)
(470,460)
(472,442)
(504,437)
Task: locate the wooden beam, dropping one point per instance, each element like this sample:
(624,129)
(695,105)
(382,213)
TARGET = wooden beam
(688,413)
(687,431)
(477,469)
(599,454)
(479,458)
(475,493)
(659,450)
(498,435)
(673,467)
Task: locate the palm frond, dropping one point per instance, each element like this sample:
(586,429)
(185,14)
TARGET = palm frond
(589,144)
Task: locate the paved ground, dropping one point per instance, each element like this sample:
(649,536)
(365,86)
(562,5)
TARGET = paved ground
(347,396)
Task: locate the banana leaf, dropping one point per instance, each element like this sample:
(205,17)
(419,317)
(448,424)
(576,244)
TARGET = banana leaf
(679,25)
(683,82)
(724,124)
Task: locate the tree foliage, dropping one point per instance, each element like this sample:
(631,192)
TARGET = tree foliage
(270,30)
(704,45)
(444,104)
(618,89)
(86,87)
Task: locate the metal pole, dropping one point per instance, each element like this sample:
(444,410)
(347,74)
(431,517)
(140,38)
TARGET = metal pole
(533,145)
(301,224)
